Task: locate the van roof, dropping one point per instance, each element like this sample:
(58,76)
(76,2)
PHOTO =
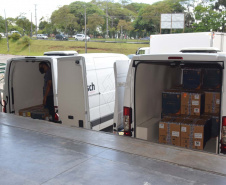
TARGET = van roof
(182,57)
(60,53)
(50,58)
(200,50)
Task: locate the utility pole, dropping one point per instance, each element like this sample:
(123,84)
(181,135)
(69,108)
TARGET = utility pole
(107,20)
(85,33)
(6,28)
(35,20)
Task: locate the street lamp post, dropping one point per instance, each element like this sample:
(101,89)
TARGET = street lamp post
(6,27)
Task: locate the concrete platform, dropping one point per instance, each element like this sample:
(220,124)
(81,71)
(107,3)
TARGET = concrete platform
(39,152)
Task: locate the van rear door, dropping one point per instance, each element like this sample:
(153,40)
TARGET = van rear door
(120,69)
(72,91)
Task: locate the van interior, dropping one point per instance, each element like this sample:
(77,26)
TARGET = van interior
(25,85)
(151,79)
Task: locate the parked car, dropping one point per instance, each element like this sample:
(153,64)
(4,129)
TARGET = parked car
(61,37)
(42,36)
(81,37)
(145,38)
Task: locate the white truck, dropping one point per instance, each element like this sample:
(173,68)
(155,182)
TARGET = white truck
(83,87)
(173,43)
(150,75)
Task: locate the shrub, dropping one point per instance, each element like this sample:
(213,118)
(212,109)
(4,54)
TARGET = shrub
(15,36)
(25,41)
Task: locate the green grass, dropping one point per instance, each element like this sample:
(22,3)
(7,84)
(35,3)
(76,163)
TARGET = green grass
(38,47)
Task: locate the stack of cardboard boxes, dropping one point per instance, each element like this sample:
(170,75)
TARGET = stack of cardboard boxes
(190,113)
(35,112)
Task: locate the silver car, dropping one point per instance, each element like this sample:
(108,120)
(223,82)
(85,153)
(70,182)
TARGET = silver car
(81,37)
(42,36)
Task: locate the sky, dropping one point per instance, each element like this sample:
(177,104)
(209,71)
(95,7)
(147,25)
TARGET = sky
(44,8)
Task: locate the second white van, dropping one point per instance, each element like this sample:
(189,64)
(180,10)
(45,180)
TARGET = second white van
(83,87)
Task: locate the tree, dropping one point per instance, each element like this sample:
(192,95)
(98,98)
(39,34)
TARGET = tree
(123,25)
(64,20)
(210,15)
(78,10)
(24,24)
(95,22)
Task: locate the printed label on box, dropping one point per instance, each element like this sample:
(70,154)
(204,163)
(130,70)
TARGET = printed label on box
(194,102)
(198,135)
(161,125)
(183,129)
(217,101)
(197,143)
(196,110)
(176,134)
(197,97)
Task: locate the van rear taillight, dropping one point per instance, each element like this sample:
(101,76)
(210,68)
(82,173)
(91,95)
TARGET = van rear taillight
(223,135)
(4,106)
(56,117)
(175,58)
(127,117)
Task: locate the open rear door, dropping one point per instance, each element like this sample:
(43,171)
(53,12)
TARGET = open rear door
(71,91)
(120,69)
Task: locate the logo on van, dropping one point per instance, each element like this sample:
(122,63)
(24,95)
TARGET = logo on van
(91,87)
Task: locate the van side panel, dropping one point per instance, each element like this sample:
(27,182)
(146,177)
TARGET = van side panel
(106,84)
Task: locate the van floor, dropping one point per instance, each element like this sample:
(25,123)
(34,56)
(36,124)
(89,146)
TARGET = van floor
(39,152)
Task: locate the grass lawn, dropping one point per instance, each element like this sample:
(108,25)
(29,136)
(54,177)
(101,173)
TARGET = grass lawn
(38,47)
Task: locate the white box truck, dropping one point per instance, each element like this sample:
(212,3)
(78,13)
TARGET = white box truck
(83,87)
(150,75)
(172,43)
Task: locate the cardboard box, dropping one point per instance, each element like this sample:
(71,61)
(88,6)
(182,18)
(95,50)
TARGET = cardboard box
(187,128)
(26,112)
(171,103)
(164,131)
(212,102)
(175,131)
(42,114)
(201,133)
(192,103)
(192,79)
(148,130)
(211,78)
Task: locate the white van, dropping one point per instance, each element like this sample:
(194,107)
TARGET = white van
(150,75)
(83,87)
(143,51)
